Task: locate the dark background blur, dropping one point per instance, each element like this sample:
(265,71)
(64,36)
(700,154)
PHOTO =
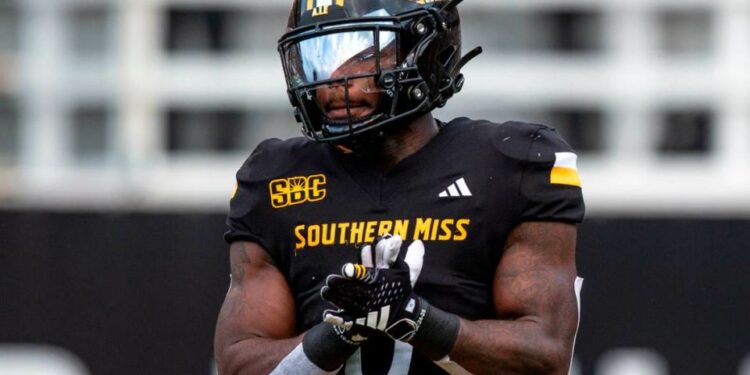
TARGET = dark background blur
(122,123)
(139,293)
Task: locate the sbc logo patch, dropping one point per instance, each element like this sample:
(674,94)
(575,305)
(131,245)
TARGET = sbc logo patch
(292,191)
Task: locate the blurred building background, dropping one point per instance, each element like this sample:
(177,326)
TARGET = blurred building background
(152,105)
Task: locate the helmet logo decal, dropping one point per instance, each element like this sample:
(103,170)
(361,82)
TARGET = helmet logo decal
(322,7)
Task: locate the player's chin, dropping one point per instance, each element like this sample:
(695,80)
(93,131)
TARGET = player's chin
(357,112)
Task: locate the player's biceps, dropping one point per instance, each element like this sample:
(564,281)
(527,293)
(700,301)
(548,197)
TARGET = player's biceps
(265,285)
(544,297)
(512,296)
(527,274)
(265,308)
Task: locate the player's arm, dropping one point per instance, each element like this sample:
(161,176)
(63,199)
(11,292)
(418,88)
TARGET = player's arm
(255,332)
(256,326)
(535,303)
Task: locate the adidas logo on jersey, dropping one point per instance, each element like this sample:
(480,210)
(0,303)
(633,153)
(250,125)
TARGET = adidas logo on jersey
(457,189)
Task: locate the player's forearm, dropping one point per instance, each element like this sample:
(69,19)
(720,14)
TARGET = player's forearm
(510,347)
(253,355)
(519,346)
(321,351)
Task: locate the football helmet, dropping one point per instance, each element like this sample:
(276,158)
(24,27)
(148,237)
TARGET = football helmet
(356,67)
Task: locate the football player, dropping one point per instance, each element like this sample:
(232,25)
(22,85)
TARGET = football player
(386,241)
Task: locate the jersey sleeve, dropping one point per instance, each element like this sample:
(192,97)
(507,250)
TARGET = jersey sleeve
(248,218)
(550,184)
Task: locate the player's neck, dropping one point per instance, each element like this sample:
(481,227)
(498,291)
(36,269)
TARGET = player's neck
(403,142)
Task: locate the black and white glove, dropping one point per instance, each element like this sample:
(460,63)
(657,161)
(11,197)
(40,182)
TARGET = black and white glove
(330,343)
(378,293)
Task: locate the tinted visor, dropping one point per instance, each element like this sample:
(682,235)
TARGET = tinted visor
(339,55)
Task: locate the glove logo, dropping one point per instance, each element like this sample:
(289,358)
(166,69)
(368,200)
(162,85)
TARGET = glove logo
(376,320)
(412,304)
(292,191)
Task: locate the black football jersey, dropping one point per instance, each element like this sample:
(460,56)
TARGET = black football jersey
(310,205)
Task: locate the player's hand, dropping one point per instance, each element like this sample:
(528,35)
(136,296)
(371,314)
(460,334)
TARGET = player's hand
(378,294)
(382,255)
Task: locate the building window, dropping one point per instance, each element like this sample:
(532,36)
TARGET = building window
(222,130)
(90,31)
(197,30)
(223,30)
(9,130)
(573,31)
(9,28)
(686,131)
(551,31)
(91,132)
(199,130)
(686,31)
(582,128)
